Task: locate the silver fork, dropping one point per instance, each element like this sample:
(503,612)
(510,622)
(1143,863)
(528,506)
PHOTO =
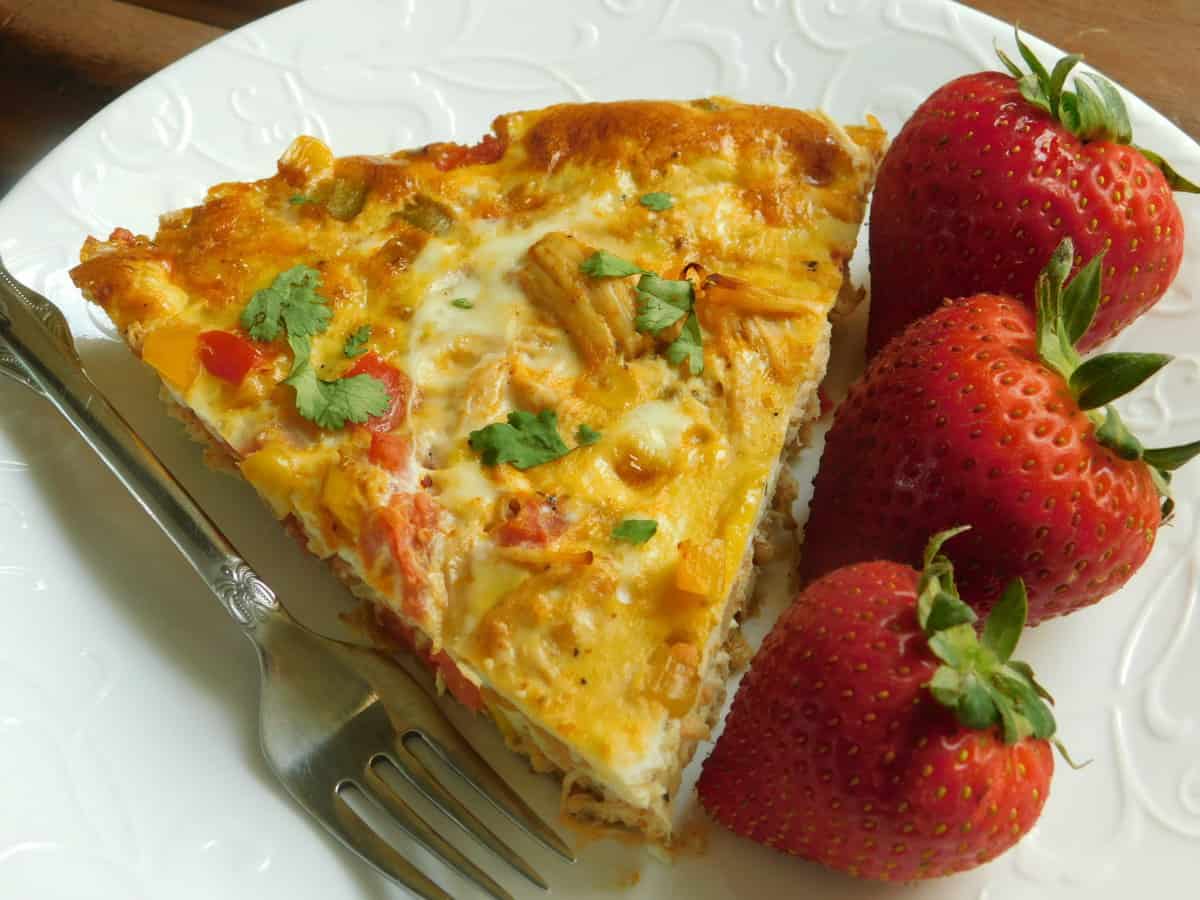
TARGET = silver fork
(336,720)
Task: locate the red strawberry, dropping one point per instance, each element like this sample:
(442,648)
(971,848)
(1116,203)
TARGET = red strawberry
(992,172)
(877,734)
(981,414)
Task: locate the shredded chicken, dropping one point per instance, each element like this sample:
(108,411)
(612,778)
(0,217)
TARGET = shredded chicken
(597,313)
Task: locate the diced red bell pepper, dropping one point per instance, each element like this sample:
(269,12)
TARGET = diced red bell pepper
(227,355)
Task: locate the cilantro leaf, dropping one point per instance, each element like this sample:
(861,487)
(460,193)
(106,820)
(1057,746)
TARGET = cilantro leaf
(661,302)
(688,346)
(678,293)
(331,404)
(655,314)
(657,201)
(603,264)
(635,531)
(525,440)
(301,199)
(462,303)
(356,342)
(585,435)
(301,345)
(290,301)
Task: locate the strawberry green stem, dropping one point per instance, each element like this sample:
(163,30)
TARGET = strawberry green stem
(978,678)
(1094,111)
(1064,312)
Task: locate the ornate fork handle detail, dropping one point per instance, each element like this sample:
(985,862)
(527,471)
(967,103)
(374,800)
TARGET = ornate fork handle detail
(244,594)
(49,315)
(11,366)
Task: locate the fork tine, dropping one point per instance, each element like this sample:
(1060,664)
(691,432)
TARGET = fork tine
(455,752)
(406,763)
(414,711)
(386,797)
(347,826)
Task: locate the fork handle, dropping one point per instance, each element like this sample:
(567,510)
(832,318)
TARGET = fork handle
(55,371)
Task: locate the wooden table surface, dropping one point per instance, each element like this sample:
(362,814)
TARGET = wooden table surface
(62,60)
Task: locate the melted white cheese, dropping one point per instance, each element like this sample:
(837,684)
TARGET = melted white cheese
(658,424)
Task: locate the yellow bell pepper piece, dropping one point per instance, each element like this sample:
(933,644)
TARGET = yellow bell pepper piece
(701,568)
(174,352)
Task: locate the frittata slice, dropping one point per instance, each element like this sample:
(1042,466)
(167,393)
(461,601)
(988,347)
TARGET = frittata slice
(531,397)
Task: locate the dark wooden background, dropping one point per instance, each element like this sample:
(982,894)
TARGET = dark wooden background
(61,60)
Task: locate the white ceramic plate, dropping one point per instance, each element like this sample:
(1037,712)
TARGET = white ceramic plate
(128,741)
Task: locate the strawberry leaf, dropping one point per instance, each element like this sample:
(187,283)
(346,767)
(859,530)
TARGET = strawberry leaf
(1063,317)
(1008,715)
(1054,346)
(947,611)
(1062,751)
(1013,69)
(1115,113)
(938,604)
(955,646)
(1058,78)
(1090,110)
(1094,111)
(1026,670)
(1031,89)
(1030,58)
(1174,180)
(1162,484)
(1003,627)
(975,706)
(1081,298)
(1102,379)
(1033,716)
(1168,459)
(933,549)
(977,678)
(946,685)
(1113,434)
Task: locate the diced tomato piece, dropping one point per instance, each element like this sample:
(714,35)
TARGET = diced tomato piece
(464,690)
(390,451)
(449,156)
(533,519)
(406,527)
(398,385)
(459,685)
(227,355)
